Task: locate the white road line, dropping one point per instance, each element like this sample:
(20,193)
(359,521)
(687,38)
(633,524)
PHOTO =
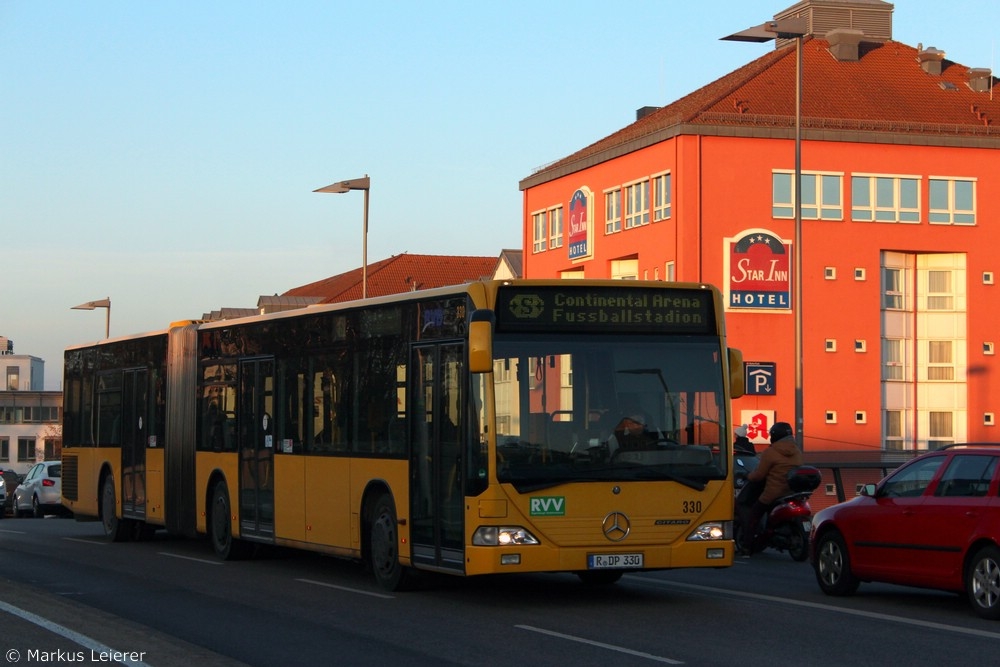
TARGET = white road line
(86,540)
(13,532)
(827,607)
(205,561)
(349,590)
(610,647)
(62,631)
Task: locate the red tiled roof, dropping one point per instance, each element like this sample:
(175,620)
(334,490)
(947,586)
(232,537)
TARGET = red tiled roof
(399,273)
(885,90)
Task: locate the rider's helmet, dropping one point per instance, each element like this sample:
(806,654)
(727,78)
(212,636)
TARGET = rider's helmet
(780,430)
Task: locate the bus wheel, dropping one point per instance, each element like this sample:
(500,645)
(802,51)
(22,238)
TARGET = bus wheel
(115,529)
(383,547)
(225,545)
(600,577)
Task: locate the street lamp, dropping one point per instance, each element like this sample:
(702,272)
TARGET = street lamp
(363,183)
(102,303)
(788,29)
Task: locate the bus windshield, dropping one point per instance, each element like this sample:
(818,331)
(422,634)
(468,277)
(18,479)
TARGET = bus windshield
(607,407)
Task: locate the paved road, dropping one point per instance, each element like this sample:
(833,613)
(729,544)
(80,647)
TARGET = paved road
(169,602)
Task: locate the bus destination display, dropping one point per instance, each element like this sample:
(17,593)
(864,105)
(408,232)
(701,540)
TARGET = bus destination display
(606,309)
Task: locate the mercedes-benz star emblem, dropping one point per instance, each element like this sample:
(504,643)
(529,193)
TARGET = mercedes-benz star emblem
(616,526)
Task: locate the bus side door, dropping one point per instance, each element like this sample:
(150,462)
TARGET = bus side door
(437,408)
(256,448)
(135,394)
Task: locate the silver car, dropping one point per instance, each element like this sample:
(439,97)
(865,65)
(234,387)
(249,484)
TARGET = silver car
(41,491)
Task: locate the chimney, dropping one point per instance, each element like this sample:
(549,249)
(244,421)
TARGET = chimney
(844,43)
(644,111)
(980,79)
(930,60)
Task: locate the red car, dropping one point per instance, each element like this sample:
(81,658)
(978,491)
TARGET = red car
(932,523)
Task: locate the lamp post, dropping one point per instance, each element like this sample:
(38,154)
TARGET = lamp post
(363,183)
(790,28)
(102,303)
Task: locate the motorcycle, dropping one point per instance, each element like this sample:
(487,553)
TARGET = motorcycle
(786,525)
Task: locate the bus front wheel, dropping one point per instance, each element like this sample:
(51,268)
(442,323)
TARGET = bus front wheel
(383,546)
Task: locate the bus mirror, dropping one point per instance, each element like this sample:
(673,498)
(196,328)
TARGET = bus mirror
(481,341)
(737,386)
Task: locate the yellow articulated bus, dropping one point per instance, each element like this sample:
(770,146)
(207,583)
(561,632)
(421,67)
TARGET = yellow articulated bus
(497,426)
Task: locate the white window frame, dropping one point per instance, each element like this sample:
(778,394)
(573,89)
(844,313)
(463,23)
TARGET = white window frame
(613,211)
(636,204)
(894,429)
(626,268)
(894,359)
(897,296)
(661,196)
(940,360)
(555,227)
(539,223)
(818,201)
(946,212)
(880,206)
(940,300)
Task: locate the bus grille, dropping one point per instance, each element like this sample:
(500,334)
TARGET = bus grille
(70,478)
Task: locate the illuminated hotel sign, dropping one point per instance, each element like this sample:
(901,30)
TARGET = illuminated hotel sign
(605,309)
(758,272)
(581,243)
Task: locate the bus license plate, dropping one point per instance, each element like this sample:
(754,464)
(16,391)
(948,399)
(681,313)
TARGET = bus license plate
(613,561)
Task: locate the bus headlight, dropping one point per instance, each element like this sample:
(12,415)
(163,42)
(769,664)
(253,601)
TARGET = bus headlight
(500,536)
(711,531)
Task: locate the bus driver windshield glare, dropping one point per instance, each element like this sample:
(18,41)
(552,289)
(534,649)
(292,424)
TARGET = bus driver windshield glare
(520,426)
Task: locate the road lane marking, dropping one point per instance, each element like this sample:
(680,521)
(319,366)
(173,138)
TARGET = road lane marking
(827,607)
(205,561)
(591,642)
(349,590)
(87,540)
(82,640)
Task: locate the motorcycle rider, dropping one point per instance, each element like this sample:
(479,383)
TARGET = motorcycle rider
(776,462)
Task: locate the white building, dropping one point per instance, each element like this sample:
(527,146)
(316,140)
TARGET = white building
(30,418)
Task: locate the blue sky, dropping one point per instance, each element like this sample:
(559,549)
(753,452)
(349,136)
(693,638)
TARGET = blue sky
(164,154)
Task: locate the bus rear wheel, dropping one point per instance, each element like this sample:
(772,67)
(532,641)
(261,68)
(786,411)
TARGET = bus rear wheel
(383,545)
(224,544)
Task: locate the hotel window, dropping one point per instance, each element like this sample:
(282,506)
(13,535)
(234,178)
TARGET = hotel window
(637,204)
(892,288)
(941,428)
(885,199)
(952,201)
(13,378)
(625,269)
(892,351)
(670,272)
(612,211)
(661,197)
(939,291)
(556,227)
(539,225)
(893,424)
(822,196)
(5,449)
(940,360)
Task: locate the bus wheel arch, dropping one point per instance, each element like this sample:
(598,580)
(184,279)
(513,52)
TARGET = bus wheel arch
(380,538)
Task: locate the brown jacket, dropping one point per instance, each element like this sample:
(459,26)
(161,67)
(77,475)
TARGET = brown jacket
(775,463)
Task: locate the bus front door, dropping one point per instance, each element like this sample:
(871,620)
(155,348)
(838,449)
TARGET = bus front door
(135,395)
(256,449)
(437,410)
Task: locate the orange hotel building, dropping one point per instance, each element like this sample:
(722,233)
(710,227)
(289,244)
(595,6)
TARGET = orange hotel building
(900,219)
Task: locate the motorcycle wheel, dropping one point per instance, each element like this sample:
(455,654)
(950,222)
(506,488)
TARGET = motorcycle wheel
(798,546)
